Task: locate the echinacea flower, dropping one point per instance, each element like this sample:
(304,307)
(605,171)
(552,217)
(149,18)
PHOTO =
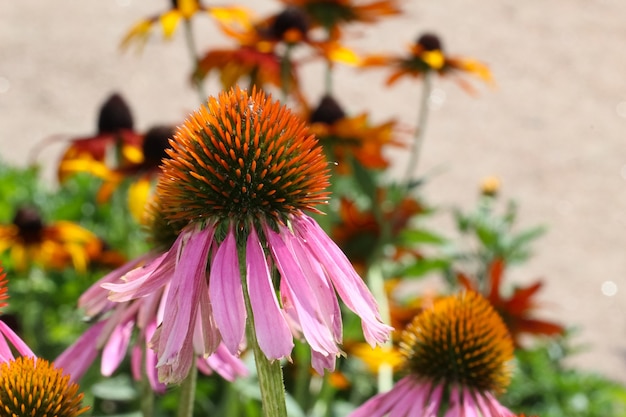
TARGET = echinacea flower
(34,387)
(427,55)
(115,139)
(456,358)
(118,328)
(8,337)
(345,137)
(242,171)
(51,246)
(516,310)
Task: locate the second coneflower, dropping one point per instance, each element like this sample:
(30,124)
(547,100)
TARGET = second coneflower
(242,172)
(456,355)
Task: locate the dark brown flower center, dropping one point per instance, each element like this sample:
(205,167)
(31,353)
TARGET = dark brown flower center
(328,111)
(114,115)
(29,224)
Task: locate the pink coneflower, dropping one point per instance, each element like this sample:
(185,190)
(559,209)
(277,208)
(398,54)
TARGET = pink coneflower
(241,172)
(456,356)
(115,323)
(8,337)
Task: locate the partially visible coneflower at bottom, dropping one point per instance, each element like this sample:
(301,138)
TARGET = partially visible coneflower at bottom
(33,387)
(8,337)
(456,358)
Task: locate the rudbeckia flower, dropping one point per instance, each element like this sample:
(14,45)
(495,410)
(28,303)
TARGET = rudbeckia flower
(180,10)
(120,327)
(115,139)
(242,172)
(34,387)
(346,137)
(456,358)
(516,311)
(258,54)
(51,246)
(331,14)
(427,55)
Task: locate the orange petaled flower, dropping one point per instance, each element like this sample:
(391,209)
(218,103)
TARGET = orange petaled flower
(426,55)
(180,10)
(456,358)
(34,387)
(358,231)
(115,139)
(257,55)
(331,14)
(344,137)
(52,246)
(516,311)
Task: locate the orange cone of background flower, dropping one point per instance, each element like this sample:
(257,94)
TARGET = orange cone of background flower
(242,171)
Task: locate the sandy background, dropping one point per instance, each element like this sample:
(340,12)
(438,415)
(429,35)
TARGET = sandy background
(553,131)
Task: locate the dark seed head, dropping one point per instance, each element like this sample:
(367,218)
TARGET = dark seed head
(114,115)
(430,42)
(328,111)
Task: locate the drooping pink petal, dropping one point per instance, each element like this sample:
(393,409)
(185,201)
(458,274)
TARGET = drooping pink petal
(347,282)
(116,347)
(317,334)
(173,340)
(78,357)
(21,347)
(322,288)
(149,278)
(151,359)
(381,404)
(319,362)
(491,407)
(95,300)
(226,294)
(272,331)
(224,363)
(206,337)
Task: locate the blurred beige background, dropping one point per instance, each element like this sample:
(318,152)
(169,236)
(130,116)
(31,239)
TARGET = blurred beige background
(553,131)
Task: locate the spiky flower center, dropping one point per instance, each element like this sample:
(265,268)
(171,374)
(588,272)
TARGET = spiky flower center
(241,157)
(33,387)
(461,340)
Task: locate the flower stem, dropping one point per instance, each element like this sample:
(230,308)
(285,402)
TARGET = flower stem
(285,74)
(147,398)
(376,282)
(188,394)
(191,46)
(270,373)
(422,119)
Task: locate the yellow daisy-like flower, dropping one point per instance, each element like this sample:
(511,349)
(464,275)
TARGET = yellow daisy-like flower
(426,55)
(35,388)
(52,246)
(169,20)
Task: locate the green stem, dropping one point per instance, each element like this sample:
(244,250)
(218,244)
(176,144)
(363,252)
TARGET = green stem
(191,46)
(303,375)
(270,373)
(422,119)
(285,74)
(147,398)
(188,394)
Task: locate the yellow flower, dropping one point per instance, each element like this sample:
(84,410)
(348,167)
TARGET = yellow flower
(426,55)
(33,387)
(170,19)
(52,246)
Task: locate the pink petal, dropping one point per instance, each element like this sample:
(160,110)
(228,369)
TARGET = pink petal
(226,365)
(151,361)
(115,349)
(18,344)
(489,406)
(148,278)
(226,294)
(206,336)
(320,362)
(77,358)
(381,404)
(272,331)
(317,334)
(347,282)
(95,300)
(173,339)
